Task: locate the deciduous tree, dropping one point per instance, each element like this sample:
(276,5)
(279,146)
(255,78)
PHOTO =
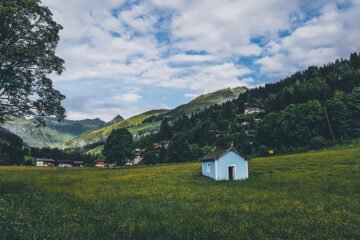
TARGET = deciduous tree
(28,39)
(119,146)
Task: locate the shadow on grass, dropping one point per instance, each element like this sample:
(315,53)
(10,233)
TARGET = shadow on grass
(12,187)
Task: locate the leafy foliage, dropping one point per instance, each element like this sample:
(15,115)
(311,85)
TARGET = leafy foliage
(28,39)
(119,146)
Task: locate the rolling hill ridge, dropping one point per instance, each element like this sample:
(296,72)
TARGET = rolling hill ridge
(80,133)
(149,122)
(54,134)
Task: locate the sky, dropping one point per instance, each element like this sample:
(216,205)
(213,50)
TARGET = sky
(127,57)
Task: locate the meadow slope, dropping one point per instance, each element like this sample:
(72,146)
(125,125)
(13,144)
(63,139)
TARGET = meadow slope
(303,196)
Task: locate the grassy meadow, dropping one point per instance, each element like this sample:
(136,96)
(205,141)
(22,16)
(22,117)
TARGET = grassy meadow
(313,195)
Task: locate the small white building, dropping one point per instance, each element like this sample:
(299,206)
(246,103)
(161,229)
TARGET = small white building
(253,110)
(44,162)
(65,164)
(225,165)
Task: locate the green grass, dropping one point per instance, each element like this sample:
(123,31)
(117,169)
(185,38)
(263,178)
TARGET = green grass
(304,196)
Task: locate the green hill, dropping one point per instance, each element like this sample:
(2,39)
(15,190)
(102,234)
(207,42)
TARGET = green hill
(313,195)
(206,100)
(100,135)
(83,132)
(149,122)
(54,134)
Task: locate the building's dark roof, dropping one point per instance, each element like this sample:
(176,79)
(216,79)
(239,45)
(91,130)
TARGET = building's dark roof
(45,160)
(78,162)
(217,154)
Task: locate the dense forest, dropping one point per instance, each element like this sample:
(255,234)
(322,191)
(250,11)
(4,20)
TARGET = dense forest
(308,110)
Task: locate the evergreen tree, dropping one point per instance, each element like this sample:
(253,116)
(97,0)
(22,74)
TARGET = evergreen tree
(179,150)
(149,158)
(165,131)
(354,106)
(338,114)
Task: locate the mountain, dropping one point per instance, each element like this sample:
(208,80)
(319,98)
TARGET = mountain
(134,124)
(54,134)
(80,133)
(149,122)
(118,118)
(206,100)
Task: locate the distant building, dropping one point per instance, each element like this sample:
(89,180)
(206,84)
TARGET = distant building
(44,162)
(110,165)
(103,164)
(161,145)
(218,133)
(78,164)
(245,123)
(253,110)
(65,164)
(100,164)
(225,165)
(138,156)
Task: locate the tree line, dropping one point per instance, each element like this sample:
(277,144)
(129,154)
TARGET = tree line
(309,110)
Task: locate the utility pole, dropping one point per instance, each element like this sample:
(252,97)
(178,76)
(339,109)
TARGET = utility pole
(328,121)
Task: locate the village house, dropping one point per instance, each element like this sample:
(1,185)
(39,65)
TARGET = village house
(103,164)
(161,145)
(253,110)
(100,164)
(138,156)
(78,163)
(65,164)
(225,165)
(44,162)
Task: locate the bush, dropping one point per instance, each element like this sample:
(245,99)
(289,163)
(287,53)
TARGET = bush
(317,142)
(4,159)
(263,150)
(29,161)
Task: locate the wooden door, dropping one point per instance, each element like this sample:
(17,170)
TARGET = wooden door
(231,173)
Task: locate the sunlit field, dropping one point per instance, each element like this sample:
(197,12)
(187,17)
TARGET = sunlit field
(304,196)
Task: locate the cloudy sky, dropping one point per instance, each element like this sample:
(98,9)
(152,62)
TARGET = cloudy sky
(125,57)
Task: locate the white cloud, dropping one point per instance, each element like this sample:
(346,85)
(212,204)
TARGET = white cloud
(320,40)
(187,58)
(128,97)
(192,95)
(219,27)
(194,46)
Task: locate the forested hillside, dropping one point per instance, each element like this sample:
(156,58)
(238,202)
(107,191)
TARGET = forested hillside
(10,148)
(309,109)
(54,133)
(149,122)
